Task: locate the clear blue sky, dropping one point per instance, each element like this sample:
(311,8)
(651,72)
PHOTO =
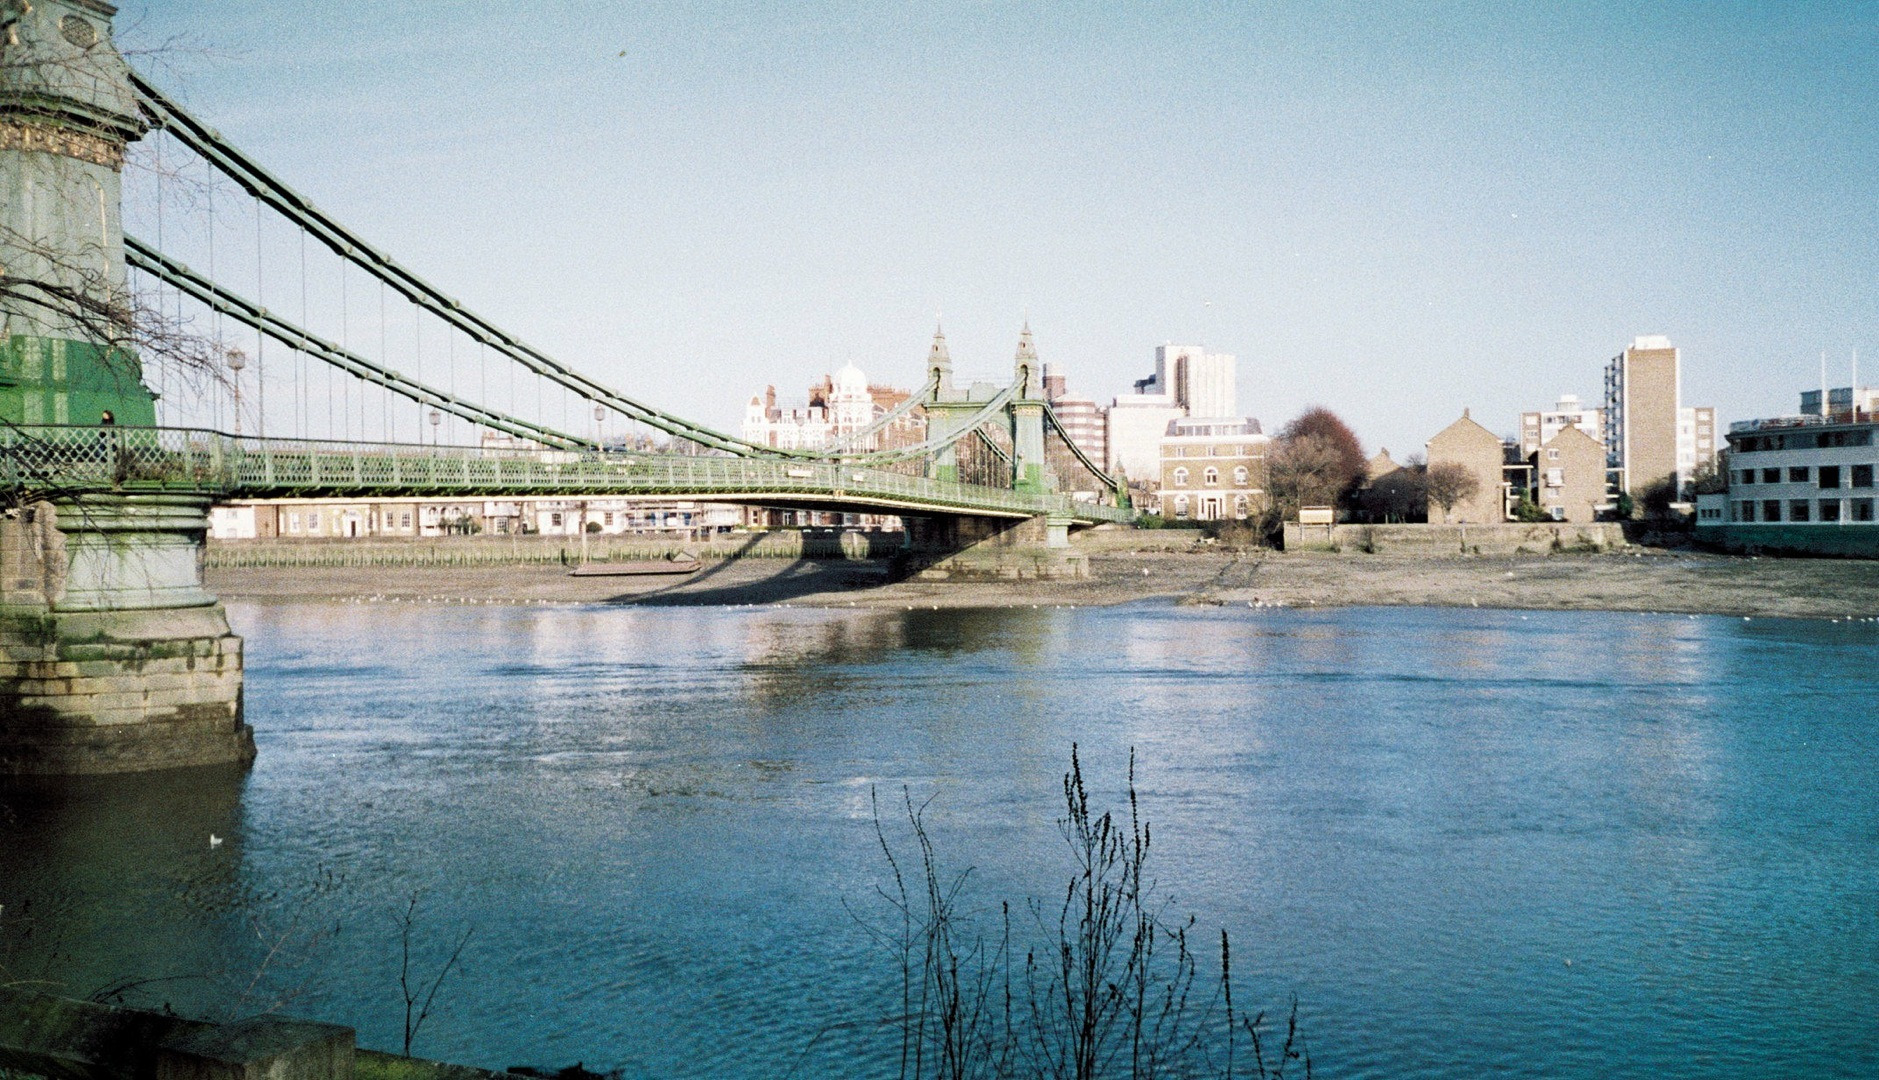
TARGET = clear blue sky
(1395,210)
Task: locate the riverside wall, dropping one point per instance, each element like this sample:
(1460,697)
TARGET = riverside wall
(1510,538)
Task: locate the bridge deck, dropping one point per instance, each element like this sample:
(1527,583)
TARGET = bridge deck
(73,460)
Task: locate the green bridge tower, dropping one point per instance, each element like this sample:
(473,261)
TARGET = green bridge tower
(113,658)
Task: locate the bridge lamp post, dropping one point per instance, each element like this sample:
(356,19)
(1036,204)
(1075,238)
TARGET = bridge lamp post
(237,361)
(600,417)
(436,419)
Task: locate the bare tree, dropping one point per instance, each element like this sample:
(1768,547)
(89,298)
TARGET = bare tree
(1305,471)
(418,997)
(1449,483)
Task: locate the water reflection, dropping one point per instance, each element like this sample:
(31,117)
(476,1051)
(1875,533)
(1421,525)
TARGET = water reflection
(656,819)
(112,881)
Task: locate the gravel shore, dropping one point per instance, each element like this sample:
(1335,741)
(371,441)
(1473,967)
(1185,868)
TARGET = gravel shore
(1621,581)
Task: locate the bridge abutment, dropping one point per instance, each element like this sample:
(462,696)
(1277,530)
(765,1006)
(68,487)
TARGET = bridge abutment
(113,658)
(967,548)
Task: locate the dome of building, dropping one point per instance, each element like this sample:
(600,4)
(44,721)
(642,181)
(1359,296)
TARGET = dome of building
(850,380)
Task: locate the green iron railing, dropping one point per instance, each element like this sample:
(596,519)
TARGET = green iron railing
(74,460)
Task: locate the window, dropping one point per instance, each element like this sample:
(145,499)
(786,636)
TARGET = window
(1771,510)
(1239,477)
(1180,506)
(1745,511)
(1797,474)
(1829,476)
(1862,509)
(1771,476)
(1211,477)
(1180,478)
(404,520)
(1240,505)
(313,522)
(1862,476)
(293,522)
(1555,478)
(554,520)
(1558,512)
(1800,510)
(1829,509)
(1552,454)
(607,517)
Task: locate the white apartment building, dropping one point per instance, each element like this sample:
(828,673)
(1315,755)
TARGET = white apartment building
(1696,440)
(1841,399)
(1133,432)
(1188,381)
(1203,383)
(1538,428)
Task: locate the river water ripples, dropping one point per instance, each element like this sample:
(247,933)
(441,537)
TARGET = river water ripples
(1470,842)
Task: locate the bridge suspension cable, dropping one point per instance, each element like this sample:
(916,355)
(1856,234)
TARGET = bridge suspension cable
(207,143)
(352,250)
(189,283)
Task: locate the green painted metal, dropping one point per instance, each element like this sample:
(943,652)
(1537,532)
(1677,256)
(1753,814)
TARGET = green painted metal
(54,461)
(66,113)
(48,380)
(1851,539)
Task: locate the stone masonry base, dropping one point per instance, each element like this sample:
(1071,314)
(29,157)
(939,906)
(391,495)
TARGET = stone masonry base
(119,691)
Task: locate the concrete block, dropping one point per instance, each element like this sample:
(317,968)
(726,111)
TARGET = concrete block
(260,1048)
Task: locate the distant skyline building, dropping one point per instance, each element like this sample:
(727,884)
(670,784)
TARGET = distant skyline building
(1841,399)
(838,406)
(1538,428)
(1084,421)
(1649,434)
(1696,441)
(1188,382)
(1203,383)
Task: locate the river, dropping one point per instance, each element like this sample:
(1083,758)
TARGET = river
(1470,842)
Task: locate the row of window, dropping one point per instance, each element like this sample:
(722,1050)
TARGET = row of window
(1804,440)
(1210,507)
(1210,477)
(1206,451)
(1829,510)
(311,521)
(1829,477)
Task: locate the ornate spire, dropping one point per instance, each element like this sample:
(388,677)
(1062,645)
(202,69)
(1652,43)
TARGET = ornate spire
(1025,379)
(937,356)
(1027,350)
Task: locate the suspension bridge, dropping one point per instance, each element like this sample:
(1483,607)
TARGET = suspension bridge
(182,326)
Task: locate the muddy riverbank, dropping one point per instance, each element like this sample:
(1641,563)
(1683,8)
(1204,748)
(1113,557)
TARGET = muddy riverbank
(1623,581)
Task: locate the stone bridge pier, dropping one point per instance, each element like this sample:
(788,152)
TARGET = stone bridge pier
(966,548)
(112,656)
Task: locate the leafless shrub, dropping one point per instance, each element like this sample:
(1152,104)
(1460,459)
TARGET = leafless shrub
(1111,989)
